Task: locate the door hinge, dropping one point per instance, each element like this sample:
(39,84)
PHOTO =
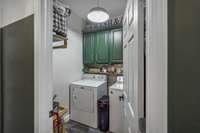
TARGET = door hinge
(142,125)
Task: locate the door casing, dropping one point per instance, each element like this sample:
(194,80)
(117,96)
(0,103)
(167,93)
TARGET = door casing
(156,66)
(43,65)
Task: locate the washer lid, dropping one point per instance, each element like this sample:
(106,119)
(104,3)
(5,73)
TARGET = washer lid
(117,86)
(90,83)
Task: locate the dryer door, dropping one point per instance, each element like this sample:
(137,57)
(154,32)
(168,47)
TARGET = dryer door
(83,98)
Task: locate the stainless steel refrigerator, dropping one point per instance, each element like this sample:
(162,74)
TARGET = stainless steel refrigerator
(17,77)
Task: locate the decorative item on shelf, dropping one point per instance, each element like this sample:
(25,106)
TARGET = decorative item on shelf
(104,69)
(110,24)
(118,70)
(61,13)
(112,70)
(94,70)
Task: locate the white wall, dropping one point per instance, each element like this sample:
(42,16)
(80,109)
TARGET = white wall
(75,23)
(157,47)
(14,10)
(1,2)
(67,66)
(43,66)
(67,63)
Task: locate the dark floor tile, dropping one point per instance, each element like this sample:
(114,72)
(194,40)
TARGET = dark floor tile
(74,127)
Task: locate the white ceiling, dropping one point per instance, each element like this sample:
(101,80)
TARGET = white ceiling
(81,7)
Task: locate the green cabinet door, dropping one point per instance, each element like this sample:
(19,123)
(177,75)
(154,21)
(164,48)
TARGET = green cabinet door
(102,47)
(89,41)
(116,48)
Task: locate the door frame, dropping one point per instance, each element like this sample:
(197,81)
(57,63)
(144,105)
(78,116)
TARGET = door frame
(156,66)
(156,93)
(43,66)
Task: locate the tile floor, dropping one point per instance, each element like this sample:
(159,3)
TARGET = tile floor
(74,127)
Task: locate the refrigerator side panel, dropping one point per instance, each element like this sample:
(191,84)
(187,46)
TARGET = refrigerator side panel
(18,76)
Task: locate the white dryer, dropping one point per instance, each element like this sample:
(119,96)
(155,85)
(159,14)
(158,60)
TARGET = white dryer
(84,95)
(116,106)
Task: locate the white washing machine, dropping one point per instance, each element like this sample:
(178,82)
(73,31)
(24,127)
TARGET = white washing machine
(116,106)
(84,95)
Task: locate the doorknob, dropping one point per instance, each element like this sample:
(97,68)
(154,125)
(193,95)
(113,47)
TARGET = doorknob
(74,97)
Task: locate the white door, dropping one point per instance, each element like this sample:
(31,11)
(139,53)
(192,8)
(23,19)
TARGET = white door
(134,67)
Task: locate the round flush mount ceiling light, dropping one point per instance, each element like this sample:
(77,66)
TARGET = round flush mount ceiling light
(98,14)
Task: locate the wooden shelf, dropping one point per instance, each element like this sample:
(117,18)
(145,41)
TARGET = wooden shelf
(109,74)
(57,38)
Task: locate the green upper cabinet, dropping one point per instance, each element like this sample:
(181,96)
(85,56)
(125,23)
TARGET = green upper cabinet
(89,41)
(102,47)
(116,47)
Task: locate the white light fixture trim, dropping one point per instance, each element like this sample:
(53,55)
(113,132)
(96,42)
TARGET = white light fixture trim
(98,14)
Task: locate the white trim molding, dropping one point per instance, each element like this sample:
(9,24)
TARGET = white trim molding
(43,66)
(157,52)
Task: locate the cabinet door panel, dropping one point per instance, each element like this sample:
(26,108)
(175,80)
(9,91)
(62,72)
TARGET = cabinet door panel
(102,47)
(126,70)
(89,48)
(116,53)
